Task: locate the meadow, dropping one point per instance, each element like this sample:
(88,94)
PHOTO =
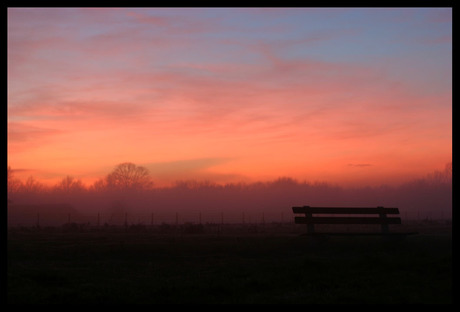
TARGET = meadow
(241,264)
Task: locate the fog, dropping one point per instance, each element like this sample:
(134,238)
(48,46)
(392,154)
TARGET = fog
(428,198)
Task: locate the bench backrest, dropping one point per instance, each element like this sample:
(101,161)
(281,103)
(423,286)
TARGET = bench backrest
(381,219)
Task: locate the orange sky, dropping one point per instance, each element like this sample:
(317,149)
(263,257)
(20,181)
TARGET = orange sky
(347,96)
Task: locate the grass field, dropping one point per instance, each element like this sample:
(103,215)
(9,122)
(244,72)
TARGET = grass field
(117,266)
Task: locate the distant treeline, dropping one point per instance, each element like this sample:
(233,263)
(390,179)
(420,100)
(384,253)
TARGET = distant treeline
(429,197)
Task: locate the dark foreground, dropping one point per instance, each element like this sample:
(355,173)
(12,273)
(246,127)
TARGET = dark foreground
(117,267)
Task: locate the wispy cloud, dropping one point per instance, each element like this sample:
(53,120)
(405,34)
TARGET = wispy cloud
(29,135)
(359,165)
(147,85)
(191,169)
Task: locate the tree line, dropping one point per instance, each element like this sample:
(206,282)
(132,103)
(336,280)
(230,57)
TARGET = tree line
(130,188)
(125,176)
(128,177)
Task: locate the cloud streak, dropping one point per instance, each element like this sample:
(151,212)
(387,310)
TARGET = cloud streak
(359,165)
(162,85)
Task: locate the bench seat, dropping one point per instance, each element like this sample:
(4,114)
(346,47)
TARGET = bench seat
(341,215)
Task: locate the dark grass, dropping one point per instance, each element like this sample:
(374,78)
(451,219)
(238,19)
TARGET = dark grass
(117,267)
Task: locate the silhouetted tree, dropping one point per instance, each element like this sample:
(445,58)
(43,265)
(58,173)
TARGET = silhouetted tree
(32,186)
(13,184)
(439,177)
(99,185)
(70,184)
(129,176)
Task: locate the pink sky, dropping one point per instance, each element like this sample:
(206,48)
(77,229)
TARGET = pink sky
(347,96)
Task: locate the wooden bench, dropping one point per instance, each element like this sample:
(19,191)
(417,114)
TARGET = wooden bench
(340,215)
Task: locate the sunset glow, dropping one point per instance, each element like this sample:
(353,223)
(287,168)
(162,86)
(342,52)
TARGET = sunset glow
(347,96)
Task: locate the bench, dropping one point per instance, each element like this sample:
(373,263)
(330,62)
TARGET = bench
(340,215)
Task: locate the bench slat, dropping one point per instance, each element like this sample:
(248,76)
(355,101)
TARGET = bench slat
(331,215)
(347,220)
(345,210)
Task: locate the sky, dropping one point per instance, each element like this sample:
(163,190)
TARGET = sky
(350,96)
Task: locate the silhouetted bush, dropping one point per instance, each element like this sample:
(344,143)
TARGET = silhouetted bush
(189,228)
(137,228)
(165,228)
(75,227)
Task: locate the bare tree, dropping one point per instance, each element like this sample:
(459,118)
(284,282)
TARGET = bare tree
(129,176)
(448,170)
(99,185)
(32,185)
(13,184)
(69,184)
(439,177)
